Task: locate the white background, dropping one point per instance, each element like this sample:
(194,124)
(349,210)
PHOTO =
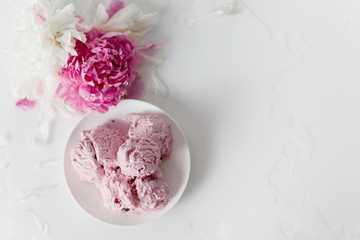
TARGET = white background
(269,99)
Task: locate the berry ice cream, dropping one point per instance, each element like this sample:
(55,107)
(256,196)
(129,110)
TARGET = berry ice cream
(106,143)
(154,127)
(116,192)
(83,159)
(138,157)
(118,125)
(153,193)
(122,157)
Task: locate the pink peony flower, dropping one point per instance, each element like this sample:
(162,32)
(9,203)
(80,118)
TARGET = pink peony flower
(101,73)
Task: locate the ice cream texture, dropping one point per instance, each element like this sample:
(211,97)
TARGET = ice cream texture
(139,157)
(154,127)
(122,156)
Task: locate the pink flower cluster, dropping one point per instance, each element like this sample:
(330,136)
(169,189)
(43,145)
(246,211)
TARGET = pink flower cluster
(86,65)
(102,72)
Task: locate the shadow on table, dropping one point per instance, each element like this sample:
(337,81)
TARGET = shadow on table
(196,124)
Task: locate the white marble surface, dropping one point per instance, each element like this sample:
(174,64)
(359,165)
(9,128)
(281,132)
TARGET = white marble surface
(268,95)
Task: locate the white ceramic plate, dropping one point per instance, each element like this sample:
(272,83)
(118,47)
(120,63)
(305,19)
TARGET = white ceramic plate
(176,169)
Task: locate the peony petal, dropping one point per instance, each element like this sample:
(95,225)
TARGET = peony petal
(5,160)
(39,16)
(41,223)
(137,59)
(158,87)
(114,34)
(144,24)
(114,7)
(47,165)
(25,104)
(43,129)
(148,48)
(61,53)
(124,19)
(63,17)
(89,93)
(35,193)
(81,19)
(136,88)
(94,33)
(101,15)
(111,94)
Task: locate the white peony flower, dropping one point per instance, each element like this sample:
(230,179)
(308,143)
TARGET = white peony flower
(48,32)
(57,26)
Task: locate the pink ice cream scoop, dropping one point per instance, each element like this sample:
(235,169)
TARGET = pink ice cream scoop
(84,161)
(138,157)
(152,126)
(122,157)
(153,193)
(118,125)
(117,192)
(106,143)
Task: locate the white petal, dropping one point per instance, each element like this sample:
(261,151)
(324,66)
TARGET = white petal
(42,48)
(35,193)
(42,225)
(47,165)
(101,15)
(62,17)
(131,18)
(144,24)
(4,159)
(43,129)
(124,19)
(65,38)
(157,90)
